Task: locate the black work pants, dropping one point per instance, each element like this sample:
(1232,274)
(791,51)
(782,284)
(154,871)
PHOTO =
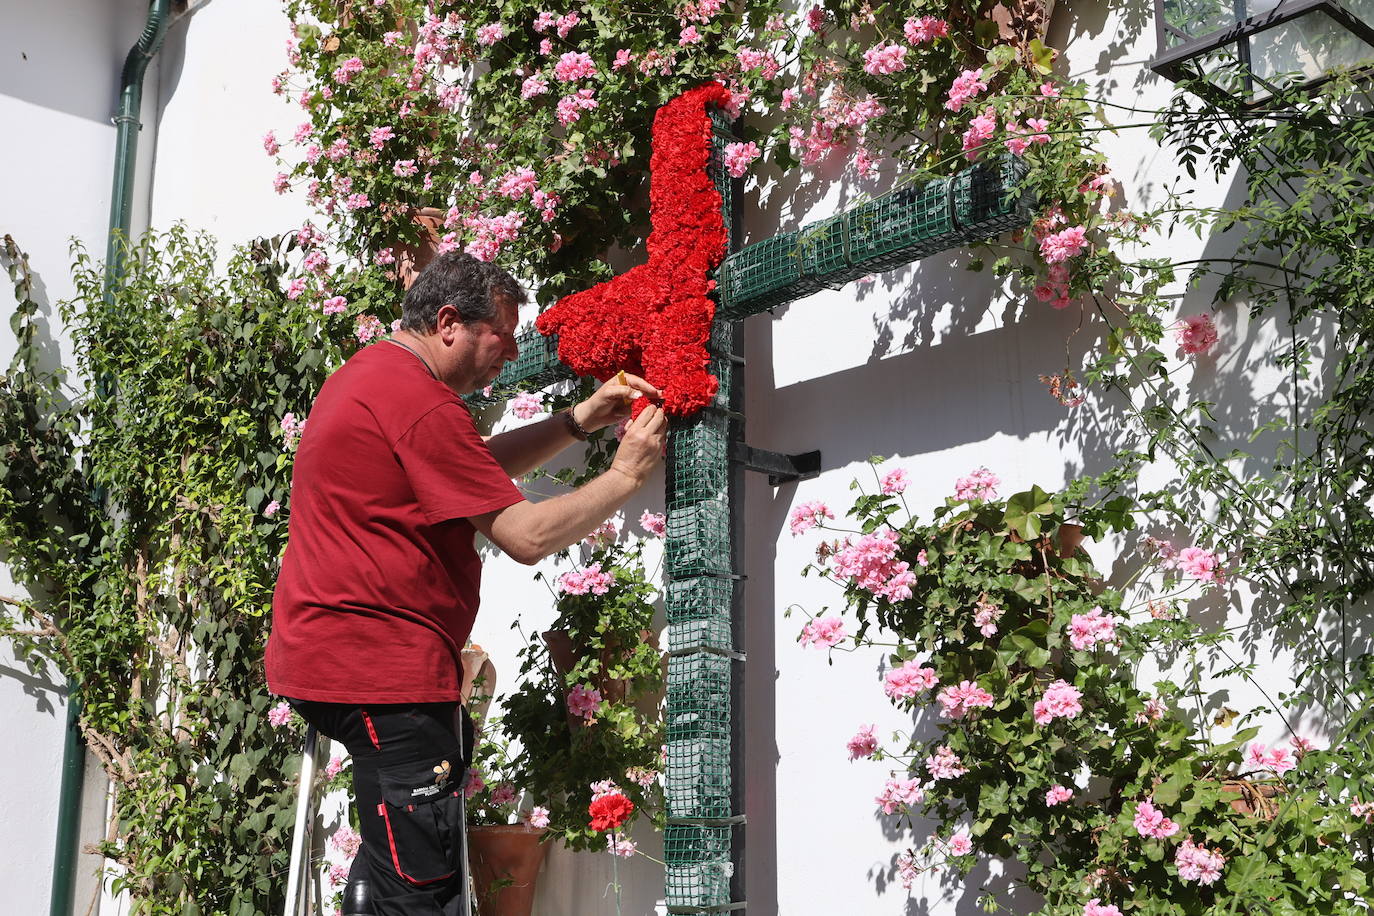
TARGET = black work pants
(408,769)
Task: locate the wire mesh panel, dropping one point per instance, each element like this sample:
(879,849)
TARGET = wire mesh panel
(697,778)
(698,612)
(902,227)
(722,134)
(986,200)
(764,275)
(698,461)
(699,538)
(825,252)
(536,367)
(698,702)
(698,865)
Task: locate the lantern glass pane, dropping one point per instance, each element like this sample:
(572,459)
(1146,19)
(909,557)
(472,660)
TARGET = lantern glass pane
(1187,19)
(1306,48)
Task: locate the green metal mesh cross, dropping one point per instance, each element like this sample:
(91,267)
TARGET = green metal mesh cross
(706,460)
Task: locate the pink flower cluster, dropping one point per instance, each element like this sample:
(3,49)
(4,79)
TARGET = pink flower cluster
(1058,247)
(1087,630)
(1196,334)
(1021,138)
(966,86)
(490,34)
(905,682)
(291,431)
(863,744)
(980,130)
(1262,757)
(1058,795)
(280,714)
(823,632)
(956,702)
(620,845)
(738,156)
(945,764)
(538,817)
(1198,863)
(473,782)
(380,135)
(345,72)
(1200,563)
(986,615)
(959,844)
(347,841)
(517,183)
(503,794)
(656,523)
(584,701)
(807,516)
(762,61)
(900,793)
(591,579)
(1062,700)
(574,65)
(368,327)
(525,405)
(870,563)
(927,28)
(1151,822)
(604,787)
(642,776)
(271,509)
(884,58)
(533,86)
(604,533)
(894,482)
(980,484)
(570,107)
(491,232)
(1094,908)
(1055,290)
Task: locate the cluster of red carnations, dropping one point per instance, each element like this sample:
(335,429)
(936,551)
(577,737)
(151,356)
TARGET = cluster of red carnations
(654,319)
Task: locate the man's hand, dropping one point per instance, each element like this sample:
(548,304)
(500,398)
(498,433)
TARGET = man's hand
(642,448)
(611,402)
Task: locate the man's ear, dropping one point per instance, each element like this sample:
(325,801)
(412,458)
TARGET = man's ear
(447,323)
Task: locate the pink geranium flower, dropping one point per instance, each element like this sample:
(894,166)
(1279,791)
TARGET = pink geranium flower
(1094,908)
(738,156)
(1060,701)
(807,516)
(980,484)
(959,844)
(900,793)
(1058,795)
(1198,863)
(905,682)
(656,523)
(884,58)
(1087,630)
(1196,334)
(526,405)
(957,701)
(280,714)
(584,701)
(1200,563)
(1151,822)
(1060,246)
(945,764)
(538,817)
(863,744)
(823,632)
(894,482)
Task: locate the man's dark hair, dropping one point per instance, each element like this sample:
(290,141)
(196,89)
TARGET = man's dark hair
(475,288)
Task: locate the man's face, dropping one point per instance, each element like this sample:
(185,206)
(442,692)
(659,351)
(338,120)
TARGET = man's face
(493,344)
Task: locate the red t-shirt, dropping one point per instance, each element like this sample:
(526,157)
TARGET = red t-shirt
(379,584)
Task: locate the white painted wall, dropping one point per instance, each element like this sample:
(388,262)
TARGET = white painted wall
(928,364)
(59,79)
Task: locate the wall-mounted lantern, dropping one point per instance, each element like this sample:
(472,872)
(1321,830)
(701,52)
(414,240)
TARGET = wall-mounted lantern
(1268,41)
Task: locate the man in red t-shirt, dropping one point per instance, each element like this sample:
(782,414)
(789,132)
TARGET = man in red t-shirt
(379,584)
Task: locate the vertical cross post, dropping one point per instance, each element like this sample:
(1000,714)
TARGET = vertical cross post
(702,778)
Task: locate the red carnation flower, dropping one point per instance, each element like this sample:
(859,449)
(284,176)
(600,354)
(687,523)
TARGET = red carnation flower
(610,811)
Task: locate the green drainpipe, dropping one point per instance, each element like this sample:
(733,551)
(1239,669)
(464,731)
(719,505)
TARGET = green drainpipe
(127,127)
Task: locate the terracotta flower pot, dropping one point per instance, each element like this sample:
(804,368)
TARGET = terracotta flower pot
(505,861)
(565,657)
(1070,538)
(412,258)
(476,663)
(1254,798)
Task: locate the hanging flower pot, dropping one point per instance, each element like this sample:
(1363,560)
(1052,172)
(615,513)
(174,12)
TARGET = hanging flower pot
(505,861)
(1254,798)
(565,656)
(412,257)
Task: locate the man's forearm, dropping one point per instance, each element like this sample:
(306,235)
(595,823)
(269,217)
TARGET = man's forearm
(529,532)
(525,448)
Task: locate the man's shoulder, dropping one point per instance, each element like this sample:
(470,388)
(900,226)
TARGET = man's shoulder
(393,386)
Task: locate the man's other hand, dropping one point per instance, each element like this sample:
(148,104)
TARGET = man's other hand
(642,447)
(612,401)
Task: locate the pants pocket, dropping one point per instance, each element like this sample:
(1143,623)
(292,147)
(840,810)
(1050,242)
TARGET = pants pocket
(422,809)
